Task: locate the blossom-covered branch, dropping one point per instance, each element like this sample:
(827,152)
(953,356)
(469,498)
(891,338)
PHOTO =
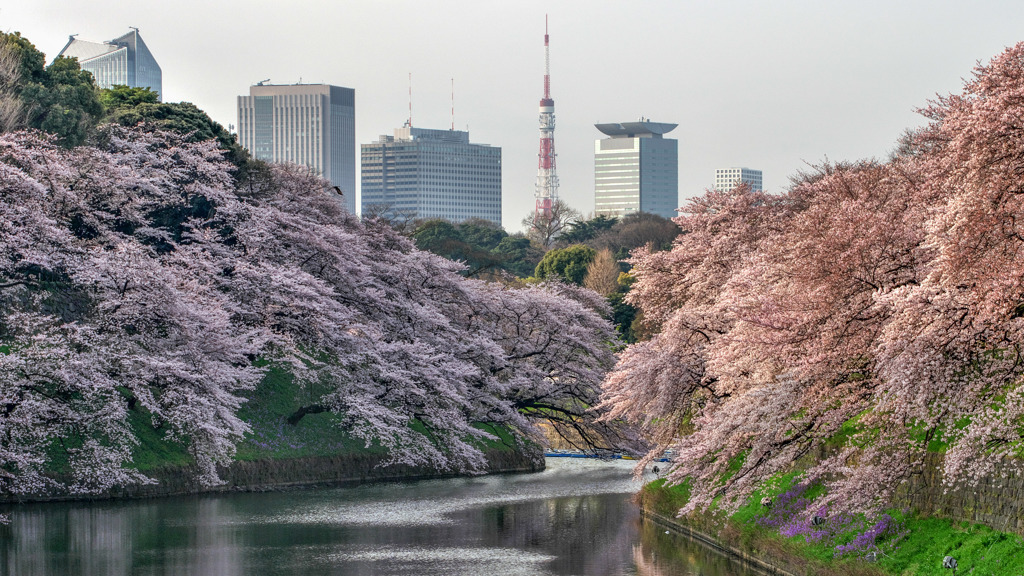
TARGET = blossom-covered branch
(871,313)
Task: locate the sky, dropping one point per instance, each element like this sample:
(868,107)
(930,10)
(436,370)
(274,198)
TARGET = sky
(775,86)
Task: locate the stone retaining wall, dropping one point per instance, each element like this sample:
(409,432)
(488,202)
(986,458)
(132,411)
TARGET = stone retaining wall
(270,474)
(754,563)
(994,502)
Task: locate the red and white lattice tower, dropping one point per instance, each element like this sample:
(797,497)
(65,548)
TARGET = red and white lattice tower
(547,177)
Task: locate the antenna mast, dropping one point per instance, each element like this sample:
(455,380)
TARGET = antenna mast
(547,177)
(453,104)
(409,122)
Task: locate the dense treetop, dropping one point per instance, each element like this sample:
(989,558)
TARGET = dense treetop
(60,98)
(623,234)
(569,263)
(132,106)
(485,247)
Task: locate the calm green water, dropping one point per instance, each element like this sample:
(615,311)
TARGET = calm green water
(574,518)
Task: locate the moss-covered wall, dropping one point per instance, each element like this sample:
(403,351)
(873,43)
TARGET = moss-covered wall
(995,502)
(720,535)
(759,550)
(316,449)
(270,473)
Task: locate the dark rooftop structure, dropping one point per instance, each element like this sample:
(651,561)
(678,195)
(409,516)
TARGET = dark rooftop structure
(640,129)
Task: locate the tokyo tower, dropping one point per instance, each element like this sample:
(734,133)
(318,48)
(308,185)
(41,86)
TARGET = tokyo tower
(547,177)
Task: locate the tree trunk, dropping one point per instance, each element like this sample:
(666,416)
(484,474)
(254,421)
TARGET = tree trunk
(312,409)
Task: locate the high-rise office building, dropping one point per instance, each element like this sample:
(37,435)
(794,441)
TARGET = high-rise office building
(636,169)
(309,124)
(125,60)
(727,178)
(422,173)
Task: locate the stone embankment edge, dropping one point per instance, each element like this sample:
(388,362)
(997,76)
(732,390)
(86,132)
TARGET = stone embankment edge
(735,554)
(289,473)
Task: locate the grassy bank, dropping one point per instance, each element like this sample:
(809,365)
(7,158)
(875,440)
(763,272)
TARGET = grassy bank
(275,453)
(272,437)
(901,543)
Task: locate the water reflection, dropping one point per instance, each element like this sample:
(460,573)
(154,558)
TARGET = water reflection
(574,518)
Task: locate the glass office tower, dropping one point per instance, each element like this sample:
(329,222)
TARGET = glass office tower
(308,124)
(124,61)
(423,173)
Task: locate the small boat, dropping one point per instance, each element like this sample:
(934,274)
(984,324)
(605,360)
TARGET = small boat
(568,454)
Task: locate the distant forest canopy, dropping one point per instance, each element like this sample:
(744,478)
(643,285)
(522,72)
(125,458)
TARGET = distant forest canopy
(870,315)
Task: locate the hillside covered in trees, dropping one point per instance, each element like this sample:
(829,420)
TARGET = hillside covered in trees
(871,315)
(136,276)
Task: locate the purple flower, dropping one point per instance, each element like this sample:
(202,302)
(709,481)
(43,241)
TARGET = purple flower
(789,515)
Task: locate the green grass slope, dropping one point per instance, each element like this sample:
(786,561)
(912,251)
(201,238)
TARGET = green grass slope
(917,550)
(272,437)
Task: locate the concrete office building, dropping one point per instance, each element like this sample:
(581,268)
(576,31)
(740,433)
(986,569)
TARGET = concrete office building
(308,124)
(636,169)
(727,178)
(125,61)
(423,173)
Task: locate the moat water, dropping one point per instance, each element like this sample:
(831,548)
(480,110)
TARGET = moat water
(577,517)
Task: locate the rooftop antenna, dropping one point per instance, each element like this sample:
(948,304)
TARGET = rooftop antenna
(262,82)
(547,62)
(410,100)
(453,104)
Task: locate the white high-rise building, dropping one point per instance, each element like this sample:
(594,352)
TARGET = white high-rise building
(424,173)
(727,178)
(309,124)
(636,169)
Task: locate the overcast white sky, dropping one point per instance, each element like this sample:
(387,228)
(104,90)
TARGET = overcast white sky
(767,85)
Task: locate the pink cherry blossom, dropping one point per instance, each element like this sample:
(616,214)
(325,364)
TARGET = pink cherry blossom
(134,276)
(884,297)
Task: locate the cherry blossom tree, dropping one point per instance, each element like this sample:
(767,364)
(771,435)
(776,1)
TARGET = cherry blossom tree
(875,306)
(411,340)
(555,345)
(136,279)
(960,327)
(95,321)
